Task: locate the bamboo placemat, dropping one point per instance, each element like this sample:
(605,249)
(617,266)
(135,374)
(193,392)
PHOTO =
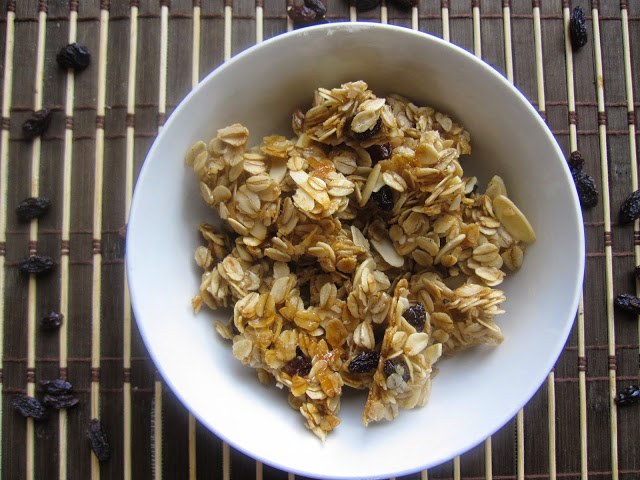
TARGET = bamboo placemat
(146,56)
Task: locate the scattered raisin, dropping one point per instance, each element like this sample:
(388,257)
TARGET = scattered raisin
(99,441)
(396,365)
(318,6)
(575,162)
(36,124)
(74,56)
(32,207)
(301,15)
(416,316)
(60,401)
(628,396)
(364,362)
(51,322)
(630,209)
(234,328)
(29,407)
(364,5)
(628,303)
(383,198)
(586,188)
(577,28)
(56,387)
(36,264)
(300,365)
(367,134)
(379,152)
(406,3)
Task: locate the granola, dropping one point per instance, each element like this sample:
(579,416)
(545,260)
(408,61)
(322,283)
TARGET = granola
(355,253)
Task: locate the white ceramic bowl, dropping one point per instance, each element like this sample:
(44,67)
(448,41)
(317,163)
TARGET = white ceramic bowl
(476,392)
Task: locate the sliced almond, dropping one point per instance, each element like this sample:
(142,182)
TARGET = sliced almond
(386,250)
(496,187)
(513,219)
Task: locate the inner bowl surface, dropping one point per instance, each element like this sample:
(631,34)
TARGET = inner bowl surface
(475,392)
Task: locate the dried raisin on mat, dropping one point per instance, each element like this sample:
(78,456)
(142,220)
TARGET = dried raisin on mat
(51,322)
(577,28)
(74,56)
(586,188)
(364,362)
(29,407)
(301,15)
(36,124)
(99,441)
(318,6)
(628,395)
(56,387)
(628,303)
(32,207)
(575,162)
(36,264)
(630,208)
(60,401)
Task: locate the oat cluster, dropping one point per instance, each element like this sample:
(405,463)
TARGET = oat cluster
(355,253)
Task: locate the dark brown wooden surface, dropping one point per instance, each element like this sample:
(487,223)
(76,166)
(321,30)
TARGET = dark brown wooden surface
(540,444)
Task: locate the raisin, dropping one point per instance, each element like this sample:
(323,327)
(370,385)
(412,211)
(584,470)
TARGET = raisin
(396,365)
(416,316)
(577,28)
(406,3)
(51,322)
(628,303)
(56,387)
(379,152)
(29,407)
(575,162)
(36,264)
(32,207)
(74,56)
(300,365)
(36,124)
(301,15)
(364,362)
(383,198)
(630,209)
(99,441)
(365,5)
(628,396)
(367,134)
(586,188)
(318,6)
(60,401)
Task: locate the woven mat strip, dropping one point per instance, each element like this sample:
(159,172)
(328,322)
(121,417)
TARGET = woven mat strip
(4,168)
(33,239)
(613,414)
(65,286)
(573,140)
(129,181)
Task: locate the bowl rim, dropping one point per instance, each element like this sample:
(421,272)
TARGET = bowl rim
(353,27)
